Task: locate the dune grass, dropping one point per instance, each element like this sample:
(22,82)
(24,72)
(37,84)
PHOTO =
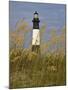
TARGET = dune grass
(28,69)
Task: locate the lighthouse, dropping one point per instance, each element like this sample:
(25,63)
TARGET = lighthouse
(36,33)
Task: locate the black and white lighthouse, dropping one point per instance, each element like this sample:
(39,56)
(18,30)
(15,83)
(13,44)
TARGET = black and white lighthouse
(36,33)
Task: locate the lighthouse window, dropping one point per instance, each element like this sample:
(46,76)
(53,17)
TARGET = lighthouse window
(35,16)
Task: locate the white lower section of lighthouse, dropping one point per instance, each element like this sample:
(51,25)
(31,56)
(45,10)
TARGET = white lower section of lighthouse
(36,37)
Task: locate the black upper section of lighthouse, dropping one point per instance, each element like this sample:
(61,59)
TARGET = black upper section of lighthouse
(35,21)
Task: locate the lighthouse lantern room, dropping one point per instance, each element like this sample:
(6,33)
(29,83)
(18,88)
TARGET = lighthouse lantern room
(36,33)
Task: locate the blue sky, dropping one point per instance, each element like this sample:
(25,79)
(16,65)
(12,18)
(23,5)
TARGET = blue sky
(51,14)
